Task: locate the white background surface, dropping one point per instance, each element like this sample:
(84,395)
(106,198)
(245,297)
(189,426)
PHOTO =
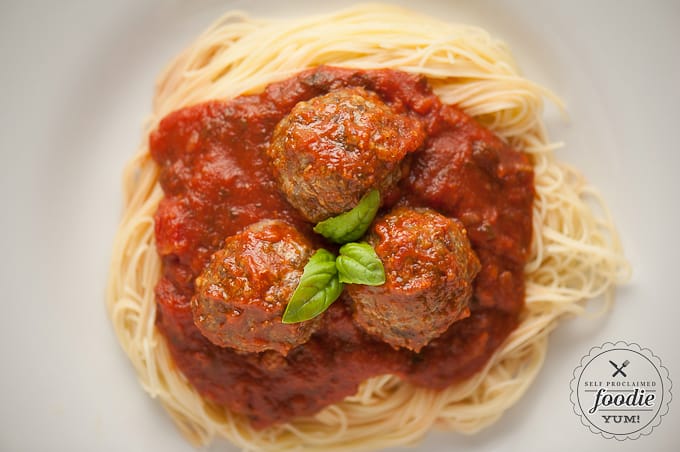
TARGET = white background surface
(76,80)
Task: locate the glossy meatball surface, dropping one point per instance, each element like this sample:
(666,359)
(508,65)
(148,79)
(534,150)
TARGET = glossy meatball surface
(429,271)
(331,150)
(242,293)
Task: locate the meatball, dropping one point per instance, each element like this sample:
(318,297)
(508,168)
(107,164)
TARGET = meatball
(429,270)
(331,150)
(241,294)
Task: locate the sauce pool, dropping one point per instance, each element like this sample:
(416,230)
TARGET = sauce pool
(216,179)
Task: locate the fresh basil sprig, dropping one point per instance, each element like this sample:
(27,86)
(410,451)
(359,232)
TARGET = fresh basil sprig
(359,264)
(351,225)
(319,287)
(323,276)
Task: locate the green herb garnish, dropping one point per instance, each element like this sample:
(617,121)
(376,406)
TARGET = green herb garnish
(323,276)
(351,225)
(319,287)
(358,264)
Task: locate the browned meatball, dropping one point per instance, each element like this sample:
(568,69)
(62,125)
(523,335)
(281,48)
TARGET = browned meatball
(429,270)
(331,150)
(242,293)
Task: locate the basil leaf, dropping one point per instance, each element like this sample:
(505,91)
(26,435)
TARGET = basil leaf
(318,288)
(351,225)
(359,264)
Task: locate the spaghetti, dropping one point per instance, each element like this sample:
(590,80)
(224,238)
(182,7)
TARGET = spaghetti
(575,253)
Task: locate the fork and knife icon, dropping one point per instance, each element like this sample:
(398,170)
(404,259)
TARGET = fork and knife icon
(619,369)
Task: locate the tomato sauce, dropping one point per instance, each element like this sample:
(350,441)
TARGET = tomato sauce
(216,180)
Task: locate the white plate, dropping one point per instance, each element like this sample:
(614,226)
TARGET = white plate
(77,79)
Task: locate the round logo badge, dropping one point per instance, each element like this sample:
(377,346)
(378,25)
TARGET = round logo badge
(621,390)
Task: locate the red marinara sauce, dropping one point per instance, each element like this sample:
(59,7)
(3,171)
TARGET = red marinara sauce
(215,175)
